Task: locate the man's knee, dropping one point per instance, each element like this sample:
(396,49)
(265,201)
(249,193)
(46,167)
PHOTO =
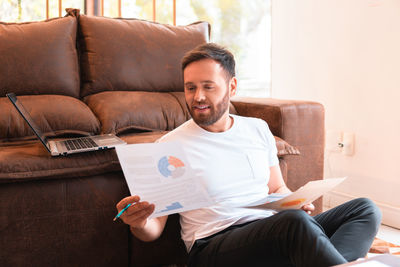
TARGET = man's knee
(369,209)
(298,225)
(299,217)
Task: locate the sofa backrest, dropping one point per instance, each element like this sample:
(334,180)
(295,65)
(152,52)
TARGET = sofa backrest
(39,58)
(89,58)
(134,55)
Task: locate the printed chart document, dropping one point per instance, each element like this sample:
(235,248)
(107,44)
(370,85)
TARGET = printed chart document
(305,194)
(160,174)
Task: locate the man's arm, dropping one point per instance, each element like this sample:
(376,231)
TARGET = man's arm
(276,184)
(136,216)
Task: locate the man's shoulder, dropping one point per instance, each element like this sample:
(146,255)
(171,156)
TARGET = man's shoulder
(253,127)
(250,120)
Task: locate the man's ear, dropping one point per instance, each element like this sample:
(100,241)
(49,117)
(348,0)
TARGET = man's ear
(232,86)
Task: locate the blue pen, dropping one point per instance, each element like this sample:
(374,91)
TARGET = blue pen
(122,211)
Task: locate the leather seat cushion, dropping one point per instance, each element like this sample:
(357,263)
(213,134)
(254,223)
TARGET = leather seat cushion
(31,161)
(123,111)
(55,115)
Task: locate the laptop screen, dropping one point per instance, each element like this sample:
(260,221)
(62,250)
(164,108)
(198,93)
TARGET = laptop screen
(27,117)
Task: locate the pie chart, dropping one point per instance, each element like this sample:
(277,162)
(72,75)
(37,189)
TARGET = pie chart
(171,167)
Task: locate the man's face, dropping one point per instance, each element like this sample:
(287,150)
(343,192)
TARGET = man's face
(207,93)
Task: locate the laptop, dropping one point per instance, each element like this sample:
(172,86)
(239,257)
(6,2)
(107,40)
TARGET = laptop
(67,146)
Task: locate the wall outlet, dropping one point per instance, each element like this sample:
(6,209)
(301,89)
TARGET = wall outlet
(333,139)
(340,142)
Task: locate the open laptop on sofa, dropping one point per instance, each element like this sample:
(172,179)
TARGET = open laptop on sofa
(66,146)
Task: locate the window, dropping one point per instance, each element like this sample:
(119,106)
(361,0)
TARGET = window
(31,10)
(244,27)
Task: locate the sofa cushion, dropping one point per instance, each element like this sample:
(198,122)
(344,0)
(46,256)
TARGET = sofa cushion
(148,137)
(31,161)
(284,148)
(39,57)
(55,114)
(122,111)
(134,55)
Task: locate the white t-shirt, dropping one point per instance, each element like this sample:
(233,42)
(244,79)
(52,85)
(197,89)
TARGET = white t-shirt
(234,167)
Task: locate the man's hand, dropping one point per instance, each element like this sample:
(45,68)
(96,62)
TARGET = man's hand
(309,208)
(136,215)
(276,184)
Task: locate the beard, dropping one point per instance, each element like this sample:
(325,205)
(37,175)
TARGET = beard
(216,111)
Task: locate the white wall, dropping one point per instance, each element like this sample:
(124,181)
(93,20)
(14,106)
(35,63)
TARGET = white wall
(345,54)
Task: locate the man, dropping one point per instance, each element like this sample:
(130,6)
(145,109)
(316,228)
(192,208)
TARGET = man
(236,158)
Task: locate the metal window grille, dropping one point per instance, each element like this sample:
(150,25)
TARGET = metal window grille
(96,8)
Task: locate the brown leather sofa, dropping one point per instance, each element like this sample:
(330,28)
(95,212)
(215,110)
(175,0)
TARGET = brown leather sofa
(81,75)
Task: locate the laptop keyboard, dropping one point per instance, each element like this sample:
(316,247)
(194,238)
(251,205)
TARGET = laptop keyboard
(79,143)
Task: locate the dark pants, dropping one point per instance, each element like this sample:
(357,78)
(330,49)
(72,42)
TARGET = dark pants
(293,238)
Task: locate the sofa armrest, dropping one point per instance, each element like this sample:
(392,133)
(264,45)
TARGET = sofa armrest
(301,124)
(297,122)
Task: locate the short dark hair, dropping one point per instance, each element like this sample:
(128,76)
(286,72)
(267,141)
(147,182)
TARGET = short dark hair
(212,51)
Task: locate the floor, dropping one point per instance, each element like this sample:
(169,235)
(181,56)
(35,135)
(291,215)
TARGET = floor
(389,234)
